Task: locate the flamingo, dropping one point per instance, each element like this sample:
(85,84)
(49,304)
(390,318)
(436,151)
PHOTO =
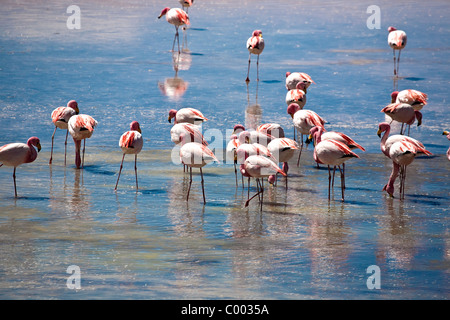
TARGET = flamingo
(260,167)
(15,154)
(295,77)
(447,133)
(397,41)
(176,17)
(189,115)
(253,136)
(272,129)
(412,97)
(283,150)
(338,136)
(81,127)
(303,121)
(186,4)
(195,155)
(332,153)
(402,154)
(190,130)
(255,45)
(60,118)
(403,113)
(387,141)
(297,95)
(232,146)
(131,142)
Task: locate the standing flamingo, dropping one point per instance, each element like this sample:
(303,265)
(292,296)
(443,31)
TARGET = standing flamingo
(60,118)
(189,115)
(272,129)
(297,95)
(260,167)
(176,17)
(387,141)
(447,133)
(81,127)
(292,79)
(15,154)
(332,153)
(403,113)
(402,154)
(283,150)
(131,142)
(412,97)
(397,41)
(255,45)
(253,136)
(303,121)
(195,155)
(191,131)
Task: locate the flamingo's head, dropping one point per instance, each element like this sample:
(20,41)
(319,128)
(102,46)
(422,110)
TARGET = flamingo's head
(394,96)
(288,74)
(315,133)
(272,179)
(257,33)
(389,189)
(163,12)
(172,114)
(74,105)
(292,109)
(35,142)
(134,126)
(418,117)
(382,127)
(238,129)
(390,29)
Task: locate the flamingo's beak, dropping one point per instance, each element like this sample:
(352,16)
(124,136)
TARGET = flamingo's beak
(170,119)
(308,141)
(445,133)
(38,145)
(379,133)
(139,130)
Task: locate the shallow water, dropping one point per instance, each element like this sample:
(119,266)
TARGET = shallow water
(152,244)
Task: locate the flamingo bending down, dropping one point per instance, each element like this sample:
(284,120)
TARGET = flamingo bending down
(189,115)
(81,127)
(447,133)
(303,121)
(131,142)
(403,113)
(255,45)
(195,155)
(260,167)
(176,17)
(15,154)
(60,118)
(283,150)
(397,41)
(292,79)
(414,98)
(332,153)
(402,154)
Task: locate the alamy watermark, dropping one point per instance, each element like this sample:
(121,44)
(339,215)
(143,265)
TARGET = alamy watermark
(374,21)
(374,280)
(74,280)
(74,21)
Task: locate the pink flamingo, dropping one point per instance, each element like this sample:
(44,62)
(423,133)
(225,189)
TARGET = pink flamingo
(60,118)
(397,41)
(81,127)
(195,155)
(189,115)
(402,154)
(283,150)
(272,129)
(297,95)
(190,130)
(232,146)
(332,153)
(447,133)
(414,98)
(15,154)
(131,142)
(260,167)
(186,4)
(253,136)
(292,79)
(387,141)
(403,113)
(303,121)
(255,45)
(176,17)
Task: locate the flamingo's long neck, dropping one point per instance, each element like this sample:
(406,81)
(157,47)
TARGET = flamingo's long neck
(383,141)
(32,153)
(77,153)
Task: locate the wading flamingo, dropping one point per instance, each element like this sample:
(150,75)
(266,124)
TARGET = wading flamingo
(131,142)
(255,45)
(81,127)
(297,95)
(189,115)
(332,153)
(260,167)
(303,121)
(176,17)
(60,118)
(195,155)
(397,41)
(403,113)
(15,154)
(414,98)
(447,133)
(387,141)
(191,131)
(283,150)
(253,136)
(273,129)
(402,154)
(292,79)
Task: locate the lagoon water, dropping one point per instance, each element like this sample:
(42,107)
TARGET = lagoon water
(152,244)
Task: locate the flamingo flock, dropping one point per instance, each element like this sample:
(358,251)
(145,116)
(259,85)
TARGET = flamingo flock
(257,153)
